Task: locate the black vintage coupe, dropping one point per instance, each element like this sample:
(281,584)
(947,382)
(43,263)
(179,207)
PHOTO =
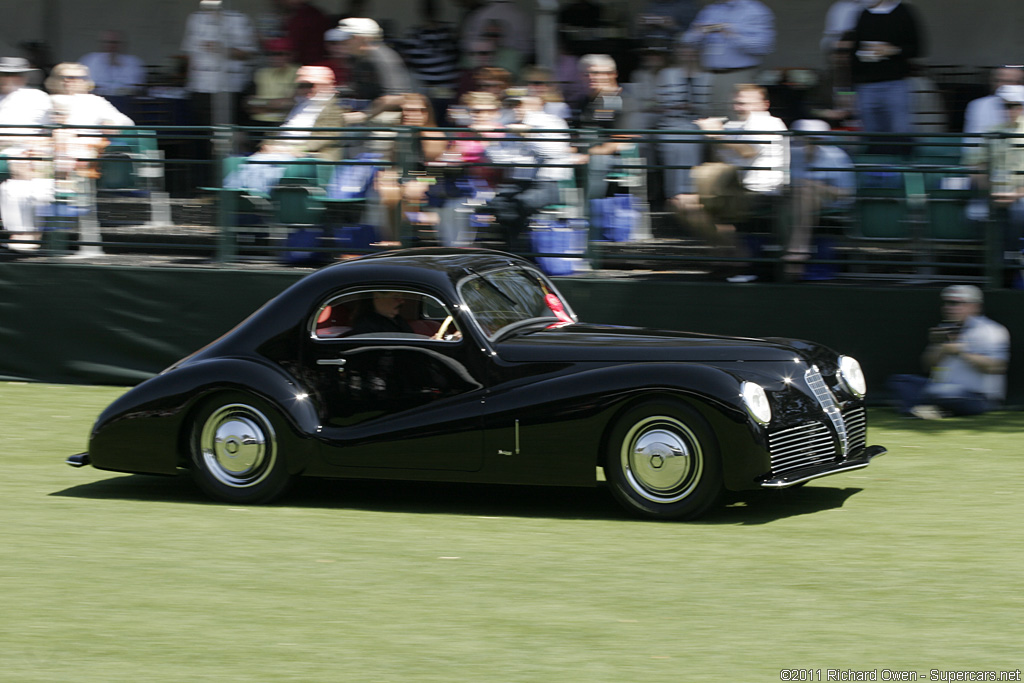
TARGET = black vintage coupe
(468,365)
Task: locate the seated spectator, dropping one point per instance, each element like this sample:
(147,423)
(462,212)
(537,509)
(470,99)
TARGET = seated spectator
(544,159)
(749,169)
(115,73)
(540,83)
(985,113)
(966,360)
(488,79)
(467,179)
(85,108)
(273,94)
(409,190)
(20,105)
(29,185)
(484,126)
(601,111)
(822,180)
(317,108)
(1000,167)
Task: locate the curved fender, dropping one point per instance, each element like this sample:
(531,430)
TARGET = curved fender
(144,430)
(580,407)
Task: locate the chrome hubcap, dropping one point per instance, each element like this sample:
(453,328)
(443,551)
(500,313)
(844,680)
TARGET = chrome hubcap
(237,445)
(661,459)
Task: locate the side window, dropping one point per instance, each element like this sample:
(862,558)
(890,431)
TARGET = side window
(385,314)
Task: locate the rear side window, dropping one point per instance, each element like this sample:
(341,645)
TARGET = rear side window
(385,314)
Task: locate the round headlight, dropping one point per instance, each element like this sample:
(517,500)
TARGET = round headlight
(851,376)
(756,401)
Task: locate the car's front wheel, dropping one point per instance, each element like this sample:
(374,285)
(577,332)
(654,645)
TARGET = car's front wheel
(235,450)
(663,461)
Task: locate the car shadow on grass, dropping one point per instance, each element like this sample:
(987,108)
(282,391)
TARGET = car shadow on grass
(476,500)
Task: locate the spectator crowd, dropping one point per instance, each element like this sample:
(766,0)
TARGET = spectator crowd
(689,73)
(463,130)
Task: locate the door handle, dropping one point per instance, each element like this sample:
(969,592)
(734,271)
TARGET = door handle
(331,361)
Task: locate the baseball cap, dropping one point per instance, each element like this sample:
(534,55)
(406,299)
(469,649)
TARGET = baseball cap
(1011,93)
(963,293)
(360,26)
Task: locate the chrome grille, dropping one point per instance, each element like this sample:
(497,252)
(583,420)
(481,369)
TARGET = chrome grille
(799,447)
(828,404)
(857,427)
(813,444)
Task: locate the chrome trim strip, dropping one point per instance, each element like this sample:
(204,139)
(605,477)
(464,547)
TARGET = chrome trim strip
(79,460)
(828,404)
(785,484)
(381,337)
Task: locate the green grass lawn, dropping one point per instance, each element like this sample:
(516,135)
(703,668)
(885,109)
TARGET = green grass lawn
(914,564)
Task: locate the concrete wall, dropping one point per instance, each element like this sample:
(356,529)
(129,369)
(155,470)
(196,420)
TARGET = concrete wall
(959,32)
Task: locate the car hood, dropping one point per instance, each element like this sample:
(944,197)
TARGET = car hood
(583,342)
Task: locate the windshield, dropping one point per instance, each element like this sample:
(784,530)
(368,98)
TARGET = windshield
(502,299)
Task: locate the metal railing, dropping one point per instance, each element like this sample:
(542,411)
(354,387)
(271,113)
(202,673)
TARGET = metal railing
(919,210)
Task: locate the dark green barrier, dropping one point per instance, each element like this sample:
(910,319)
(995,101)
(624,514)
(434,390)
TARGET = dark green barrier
(88,324)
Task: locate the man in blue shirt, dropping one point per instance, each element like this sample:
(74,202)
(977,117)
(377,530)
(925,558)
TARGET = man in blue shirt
(967,356)
(733,37)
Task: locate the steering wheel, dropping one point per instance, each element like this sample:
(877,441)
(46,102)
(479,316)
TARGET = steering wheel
(440,334)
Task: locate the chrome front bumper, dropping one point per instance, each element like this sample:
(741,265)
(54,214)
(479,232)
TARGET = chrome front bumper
(80,460)
(856,461)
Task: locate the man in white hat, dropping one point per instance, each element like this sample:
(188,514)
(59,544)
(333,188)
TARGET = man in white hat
(967,356)
(377,70)
(20,104)
(26,189)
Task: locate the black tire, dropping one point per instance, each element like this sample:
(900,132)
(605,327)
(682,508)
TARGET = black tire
(235,451)
(662,461)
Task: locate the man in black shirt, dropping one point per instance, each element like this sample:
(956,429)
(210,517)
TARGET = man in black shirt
(383,317)
(886,38)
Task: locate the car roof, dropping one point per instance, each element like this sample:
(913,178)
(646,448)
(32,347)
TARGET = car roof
(436,267)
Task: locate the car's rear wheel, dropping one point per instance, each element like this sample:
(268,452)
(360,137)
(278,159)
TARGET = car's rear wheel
(662,461)
(235,450)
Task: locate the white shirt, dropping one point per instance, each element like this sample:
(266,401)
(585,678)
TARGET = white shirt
(129,73)
(984,114)
(24,107)
(305,113)
(982,336)
(209,36)
(92,110)
(767,170)
(551,147)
